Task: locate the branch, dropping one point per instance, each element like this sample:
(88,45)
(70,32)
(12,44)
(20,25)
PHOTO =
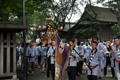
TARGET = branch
(70,16)
(48,16)
(92,9)
(72,6)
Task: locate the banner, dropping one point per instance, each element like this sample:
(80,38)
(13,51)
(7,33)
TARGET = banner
(62,55)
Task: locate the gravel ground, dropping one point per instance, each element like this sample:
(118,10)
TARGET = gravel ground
(39,75)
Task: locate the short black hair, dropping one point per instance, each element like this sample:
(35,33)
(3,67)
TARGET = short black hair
(40,43)
(27,44)
(17,44)
(46,44)
(95,42)
(72,41)
(22,44)
(96,38)
(107,40)
(78,43)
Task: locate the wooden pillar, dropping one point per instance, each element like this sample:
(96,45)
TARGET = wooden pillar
(8,53)
(14,55)
(1,53)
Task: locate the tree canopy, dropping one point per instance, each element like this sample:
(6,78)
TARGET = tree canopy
(37,10)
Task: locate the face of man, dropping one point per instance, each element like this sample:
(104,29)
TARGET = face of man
(31,43)
(71,43)
(19,45)
(108,43)
(43,45)
(95,40)
(86,44)
(53,43)
(117,42)
(81,44)
(94,46)
(68,45)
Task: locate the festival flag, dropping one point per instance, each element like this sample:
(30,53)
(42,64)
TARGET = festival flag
(62,54)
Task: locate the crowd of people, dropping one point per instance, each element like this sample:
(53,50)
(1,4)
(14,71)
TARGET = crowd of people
(96,55)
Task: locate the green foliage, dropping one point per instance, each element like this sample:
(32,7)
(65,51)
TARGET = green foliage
(11,11)
(34,20)
(59,11)
(14,7)
(115,30)
(19,37)
(88,29)
(8,7)
(36,12)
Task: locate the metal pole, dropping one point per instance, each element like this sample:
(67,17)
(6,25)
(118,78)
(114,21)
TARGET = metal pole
(24,36)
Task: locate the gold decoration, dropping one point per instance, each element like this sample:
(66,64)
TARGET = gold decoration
(61,46)
(71,48)
(59,58)
(48,20)
(49,40)
(59,54)
(51,32)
